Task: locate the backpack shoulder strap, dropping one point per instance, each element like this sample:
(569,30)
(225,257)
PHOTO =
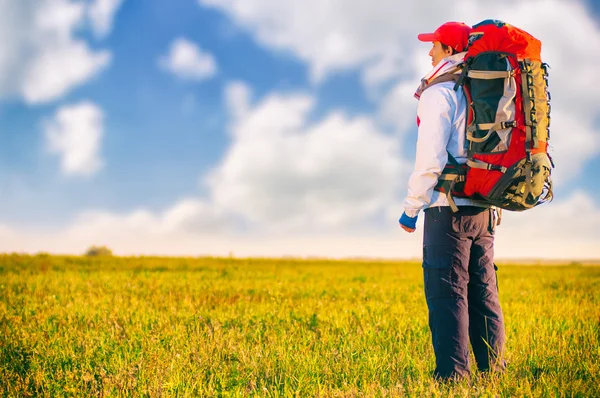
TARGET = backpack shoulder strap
(447,77)
(450,76)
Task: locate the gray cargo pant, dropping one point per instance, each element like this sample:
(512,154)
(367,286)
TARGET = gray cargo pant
(461,290)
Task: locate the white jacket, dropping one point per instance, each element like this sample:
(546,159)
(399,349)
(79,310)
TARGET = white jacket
(441,116)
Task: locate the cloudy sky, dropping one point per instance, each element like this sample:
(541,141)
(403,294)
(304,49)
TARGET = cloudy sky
(259,127)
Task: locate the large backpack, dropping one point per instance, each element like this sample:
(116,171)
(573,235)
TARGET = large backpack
(508,120)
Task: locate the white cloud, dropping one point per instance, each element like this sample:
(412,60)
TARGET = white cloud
(333,35)
(574,140)
(380,35)
(40,57)
(196,216)
(398,104)
(565,228)
(101,14)
(75,134)
(283,172)
(190,226)
(57,70)
(238,95)
(187,61)
(187,216)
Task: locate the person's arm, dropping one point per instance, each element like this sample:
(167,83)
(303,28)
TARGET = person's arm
(436,113)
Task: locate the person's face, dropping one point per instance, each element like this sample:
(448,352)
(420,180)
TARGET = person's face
(437,53)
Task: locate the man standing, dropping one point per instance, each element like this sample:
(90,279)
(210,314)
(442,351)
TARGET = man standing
(458,247)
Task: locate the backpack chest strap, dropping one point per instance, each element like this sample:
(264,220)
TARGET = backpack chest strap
(478,164)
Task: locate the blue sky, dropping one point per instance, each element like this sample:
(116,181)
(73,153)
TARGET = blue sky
(249,154)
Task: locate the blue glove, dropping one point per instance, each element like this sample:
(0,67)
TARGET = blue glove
(409,222)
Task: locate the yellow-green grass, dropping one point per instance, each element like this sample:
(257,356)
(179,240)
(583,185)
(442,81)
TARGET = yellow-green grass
(77,326)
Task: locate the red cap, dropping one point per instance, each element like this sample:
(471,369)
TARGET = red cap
(453,34)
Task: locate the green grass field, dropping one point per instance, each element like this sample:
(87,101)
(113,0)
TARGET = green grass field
(76,326)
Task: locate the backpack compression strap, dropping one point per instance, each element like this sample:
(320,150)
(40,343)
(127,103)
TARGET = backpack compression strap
(453,178)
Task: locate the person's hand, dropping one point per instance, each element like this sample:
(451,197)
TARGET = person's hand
(409,224)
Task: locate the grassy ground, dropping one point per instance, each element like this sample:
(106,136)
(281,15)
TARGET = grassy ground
(250,327)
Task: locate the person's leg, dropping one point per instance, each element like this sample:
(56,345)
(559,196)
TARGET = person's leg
(486,323)
(445,269)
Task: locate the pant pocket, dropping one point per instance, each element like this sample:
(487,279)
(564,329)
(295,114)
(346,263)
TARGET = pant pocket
(441,266)
(439,283)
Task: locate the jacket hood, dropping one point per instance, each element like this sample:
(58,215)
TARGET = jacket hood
(447,65)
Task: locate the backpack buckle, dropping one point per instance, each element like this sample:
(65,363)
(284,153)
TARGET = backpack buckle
(461,78)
